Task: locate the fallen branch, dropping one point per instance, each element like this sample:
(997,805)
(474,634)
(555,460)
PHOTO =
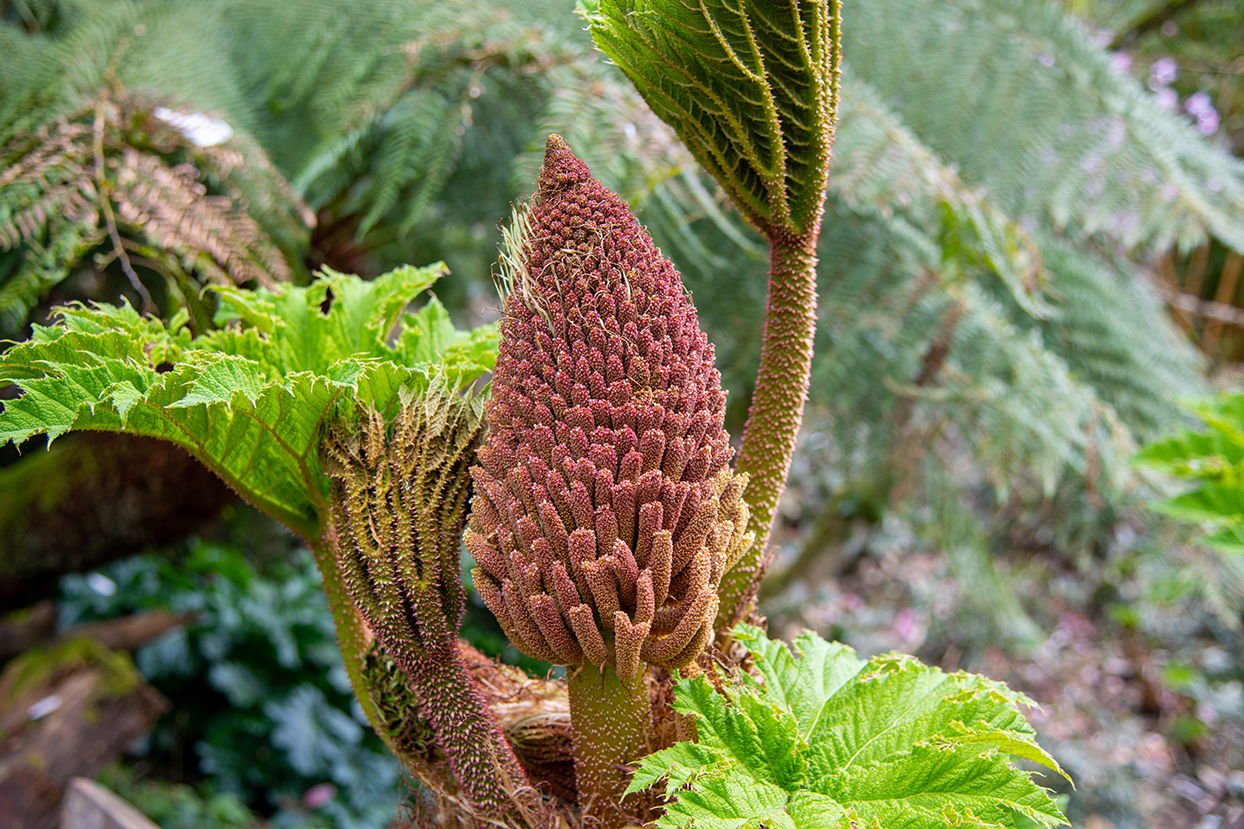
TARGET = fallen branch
(1208,308)
(127,633)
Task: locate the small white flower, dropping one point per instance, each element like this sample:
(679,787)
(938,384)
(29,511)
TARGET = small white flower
(101,584)
(43,707)
(201,130)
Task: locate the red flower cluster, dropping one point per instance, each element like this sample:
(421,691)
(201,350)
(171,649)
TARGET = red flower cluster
(604,513)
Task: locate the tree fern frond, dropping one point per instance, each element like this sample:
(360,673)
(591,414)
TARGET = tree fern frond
(880,163)
(625,144)
(1141,370)
(114,167)
(332,73)
(156,50)
(1029,108)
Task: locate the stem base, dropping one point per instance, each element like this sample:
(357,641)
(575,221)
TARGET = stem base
(612,720)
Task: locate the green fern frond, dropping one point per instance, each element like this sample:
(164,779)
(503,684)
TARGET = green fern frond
(381,108)
(113,168)
(364,108)
(1140,369)
(880,165)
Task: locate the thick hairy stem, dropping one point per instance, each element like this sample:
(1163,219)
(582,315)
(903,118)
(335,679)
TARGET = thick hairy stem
(777,404)
(352,636)
(480,757)
(612,721)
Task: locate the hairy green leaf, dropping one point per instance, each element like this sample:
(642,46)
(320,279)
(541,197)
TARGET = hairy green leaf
(828,740)
(802,681)
(680,765)
(248,400)
(761,738)
(750,88)
(734,801)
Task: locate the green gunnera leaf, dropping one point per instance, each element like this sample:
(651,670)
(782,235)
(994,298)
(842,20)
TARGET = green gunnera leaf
(824,739)
(250,399)
(751,88)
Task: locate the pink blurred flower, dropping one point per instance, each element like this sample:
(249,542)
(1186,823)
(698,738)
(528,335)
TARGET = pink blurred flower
(319,795)
(905,624)
(1163,72)
(1200,107)
(1168,99)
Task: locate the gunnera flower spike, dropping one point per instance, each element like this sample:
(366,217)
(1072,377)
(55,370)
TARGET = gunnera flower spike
(604,513)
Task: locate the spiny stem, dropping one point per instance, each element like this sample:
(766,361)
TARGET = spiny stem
(777,404)
(612,721)
(351,634)
(480,757)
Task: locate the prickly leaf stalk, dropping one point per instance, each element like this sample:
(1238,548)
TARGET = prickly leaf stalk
(398,719)
(605,513)
(776,413)
(398,504)
(534,715)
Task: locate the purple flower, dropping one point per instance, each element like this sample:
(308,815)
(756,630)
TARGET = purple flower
(1200,107)
(1168,99)
(1163,72)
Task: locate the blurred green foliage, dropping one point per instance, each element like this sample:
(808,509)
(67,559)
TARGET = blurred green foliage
(263,708)
(1212,459)
(177,805)
(263,713)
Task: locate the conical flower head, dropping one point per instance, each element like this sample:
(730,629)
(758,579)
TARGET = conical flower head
(604,513)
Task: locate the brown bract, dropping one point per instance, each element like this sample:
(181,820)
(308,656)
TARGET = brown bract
(604,512)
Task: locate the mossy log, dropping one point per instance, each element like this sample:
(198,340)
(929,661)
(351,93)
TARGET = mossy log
(65,712)
(93,498)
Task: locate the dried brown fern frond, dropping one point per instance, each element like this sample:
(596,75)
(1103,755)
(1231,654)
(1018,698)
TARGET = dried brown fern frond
(114,180)
(171,206)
